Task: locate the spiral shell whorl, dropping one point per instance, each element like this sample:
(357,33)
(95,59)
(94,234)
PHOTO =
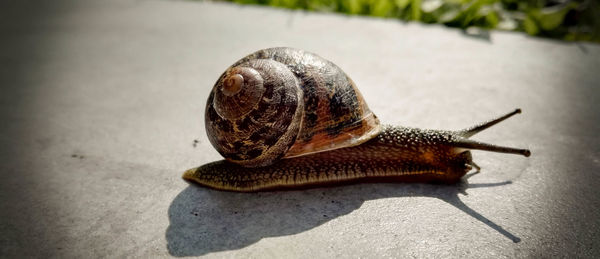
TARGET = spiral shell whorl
(254,125)
(238,92)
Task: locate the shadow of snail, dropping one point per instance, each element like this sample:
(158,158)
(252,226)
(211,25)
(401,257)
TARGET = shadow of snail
(204,220)
(288,119)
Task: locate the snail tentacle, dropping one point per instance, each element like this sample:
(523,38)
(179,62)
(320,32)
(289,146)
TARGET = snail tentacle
(463,142)
(468,132)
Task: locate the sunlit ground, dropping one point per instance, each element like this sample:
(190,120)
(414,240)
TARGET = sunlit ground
(102,110)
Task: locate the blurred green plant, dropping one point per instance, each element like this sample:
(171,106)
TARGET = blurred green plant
(576,20)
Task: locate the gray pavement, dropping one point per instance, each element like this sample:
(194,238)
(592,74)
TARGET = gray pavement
(101,104)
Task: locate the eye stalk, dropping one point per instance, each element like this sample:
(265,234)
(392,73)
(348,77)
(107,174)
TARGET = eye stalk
(233,84)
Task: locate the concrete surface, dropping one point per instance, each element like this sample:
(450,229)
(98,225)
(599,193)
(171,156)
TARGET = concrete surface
(101,104)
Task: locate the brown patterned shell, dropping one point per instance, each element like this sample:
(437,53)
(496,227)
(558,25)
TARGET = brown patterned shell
(282,102)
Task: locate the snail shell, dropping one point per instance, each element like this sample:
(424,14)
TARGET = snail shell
(281,103)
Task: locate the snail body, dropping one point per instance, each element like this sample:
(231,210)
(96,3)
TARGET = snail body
(285,118)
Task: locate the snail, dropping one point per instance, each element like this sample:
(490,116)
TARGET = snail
(287,118)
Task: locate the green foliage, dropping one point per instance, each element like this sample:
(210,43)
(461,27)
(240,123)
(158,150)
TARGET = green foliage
(563,19)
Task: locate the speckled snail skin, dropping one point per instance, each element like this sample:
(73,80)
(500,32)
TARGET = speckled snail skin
(286,118)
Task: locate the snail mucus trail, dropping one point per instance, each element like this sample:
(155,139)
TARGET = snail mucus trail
(286,118)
